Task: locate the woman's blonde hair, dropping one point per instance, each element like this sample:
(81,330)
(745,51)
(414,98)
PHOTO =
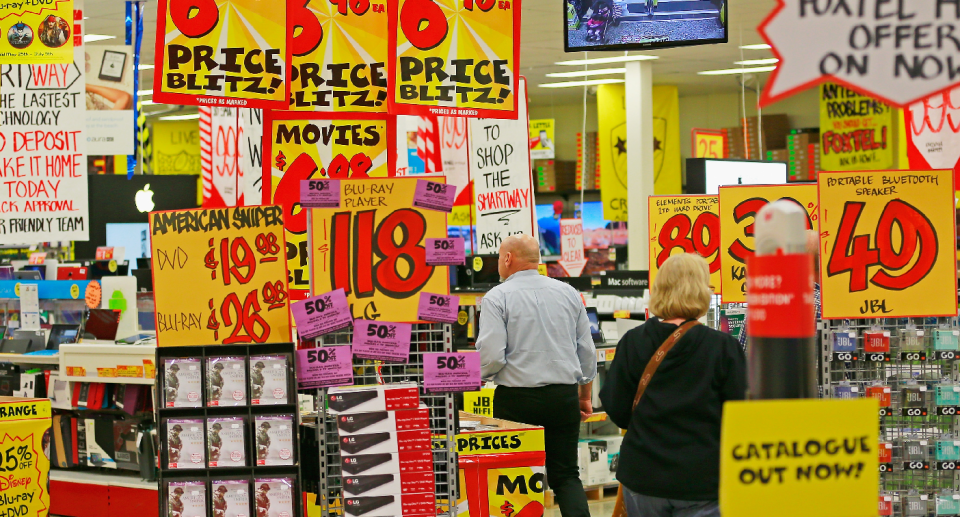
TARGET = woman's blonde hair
(681,288)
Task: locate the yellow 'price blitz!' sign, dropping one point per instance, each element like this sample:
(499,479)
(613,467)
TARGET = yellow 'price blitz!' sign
(455,57)
(685,224)
(340,56)
(796,458)
(372,247)
(234,53)
(219,276)
(887,244)
(739,206)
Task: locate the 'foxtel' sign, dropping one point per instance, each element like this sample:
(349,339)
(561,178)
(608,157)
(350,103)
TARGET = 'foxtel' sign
(897,50)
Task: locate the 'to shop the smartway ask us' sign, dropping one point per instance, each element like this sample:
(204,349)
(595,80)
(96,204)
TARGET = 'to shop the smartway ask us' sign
(899,51)
(797,458)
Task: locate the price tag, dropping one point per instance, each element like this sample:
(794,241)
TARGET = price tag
(320,193)
(438,307)
(382,340)
(149,369)
(130,371)
(445,252)
(76,371)
(685,224)
(325,366)
(106,372)
(38,258)
(434,196)
(104,253)
(444,372)
(321,314)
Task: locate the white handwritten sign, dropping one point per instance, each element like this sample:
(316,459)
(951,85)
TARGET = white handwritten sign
(230,156)
(43,164)
(933,131)
(899,52)
(499,162)
(571,246)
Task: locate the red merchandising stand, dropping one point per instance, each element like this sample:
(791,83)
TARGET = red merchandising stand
(501,468)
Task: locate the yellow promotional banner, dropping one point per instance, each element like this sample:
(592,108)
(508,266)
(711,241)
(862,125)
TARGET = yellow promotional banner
(38,33)
(612,127)
(339,56)
(373,247)
(219,276)
(685,224)
(25,442)
(454,57)
(796,458)
(176,147)
(709,143)
(500,442)
(302,146)
(234,53)
(541,139)
(856,132)
(478,402)
(515,491)
(887,244)
(738,211)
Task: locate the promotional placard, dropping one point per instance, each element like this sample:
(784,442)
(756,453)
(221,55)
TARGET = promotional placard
(685,224)
(856,132)
(382,340)
(38,32)
(438,307)
(25,443)
(502,177)
(454,57)
(339,56)
(373,247)
(451,372)
(933,132)
(738,211)
(324,367)
(887,244)
(572,258)
(230,260)
(109,89)
(541,139)
(821,458)
(230,156)
(856,47)
(320,193)
(321,314)
(435,196)
(233,54)
(301,146)
(709,143)
(445,252)
(44,192)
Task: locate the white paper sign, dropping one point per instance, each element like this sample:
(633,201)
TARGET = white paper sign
(899,52)
(43,163)
(933,129)
(500,170)
(571,246)
(230,156)
(109,99)
(453,151)
(251,156)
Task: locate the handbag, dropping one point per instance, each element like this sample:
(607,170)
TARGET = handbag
(620,509)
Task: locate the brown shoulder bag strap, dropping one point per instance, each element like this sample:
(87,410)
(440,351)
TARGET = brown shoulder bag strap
(658,358)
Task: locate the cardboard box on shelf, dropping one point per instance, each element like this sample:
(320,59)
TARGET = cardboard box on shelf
(383,421)
(363,399)
(545,175)
(391,505)
(385,442)
(597,465)
(387,463)
(389,484)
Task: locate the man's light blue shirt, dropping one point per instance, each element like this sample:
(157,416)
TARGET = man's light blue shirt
(534,332)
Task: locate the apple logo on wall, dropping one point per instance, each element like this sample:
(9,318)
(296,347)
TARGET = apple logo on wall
(144,199)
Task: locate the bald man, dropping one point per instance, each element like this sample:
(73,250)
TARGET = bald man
(535,344)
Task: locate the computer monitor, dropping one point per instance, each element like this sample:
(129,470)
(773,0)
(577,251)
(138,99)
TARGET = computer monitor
(27,275)
(599,233)
(594,325)
(102,324)
(60,334)
(707,175)
(134,237)
(488,275)
(548,224)
(40,268)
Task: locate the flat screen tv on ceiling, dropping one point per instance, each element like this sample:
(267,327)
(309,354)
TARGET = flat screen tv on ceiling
(642,24)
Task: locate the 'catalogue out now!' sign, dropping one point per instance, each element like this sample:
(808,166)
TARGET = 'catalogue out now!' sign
(819,459)
(899,51)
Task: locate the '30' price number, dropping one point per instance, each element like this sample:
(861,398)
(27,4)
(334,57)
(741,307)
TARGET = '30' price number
(748,210)
(902,264)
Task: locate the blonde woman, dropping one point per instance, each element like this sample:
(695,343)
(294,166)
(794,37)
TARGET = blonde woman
(670,457)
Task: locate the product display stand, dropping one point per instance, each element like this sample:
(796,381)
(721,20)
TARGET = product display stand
(429,337)
(910,365)
(248,412)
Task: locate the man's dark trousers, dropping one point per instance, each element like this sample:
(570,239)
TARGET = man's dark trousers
(555,408)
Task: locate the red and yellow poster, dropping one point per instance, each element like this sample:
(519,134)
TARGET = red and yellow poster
(373,247)
(454,57)
(235,53)
(515,492)
(739,207)
(38,33)
(857,132)
(25,442)
(300,146)
(887,244)
(340,56)
(219,276)
(685,224)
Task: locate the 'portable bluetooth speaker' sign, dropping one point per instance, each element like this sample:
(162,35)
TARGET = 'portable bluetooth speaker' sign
(373,246)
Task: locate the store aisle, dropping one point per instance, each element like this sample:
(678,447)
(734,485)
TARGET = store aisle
(597,509)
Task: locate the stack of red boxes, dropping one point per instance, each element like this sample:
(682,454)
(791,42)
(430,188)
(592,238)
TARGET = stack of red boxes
(385,450)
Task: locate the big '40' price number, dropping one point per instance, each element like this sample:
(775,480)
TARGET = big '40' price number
(234,262)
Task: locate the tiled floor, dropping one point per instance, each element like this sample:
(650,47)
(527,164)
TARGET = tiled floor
(597,509)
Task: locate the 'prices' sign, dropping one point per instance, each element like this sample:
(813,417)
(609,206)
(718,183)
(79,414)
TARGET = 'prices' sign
(899,51)
(887,244)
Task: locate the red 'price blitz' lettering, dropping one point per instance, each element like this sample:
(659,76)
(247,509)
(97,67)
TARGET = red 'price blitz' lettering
(676,234)
(386,276)
(854,254)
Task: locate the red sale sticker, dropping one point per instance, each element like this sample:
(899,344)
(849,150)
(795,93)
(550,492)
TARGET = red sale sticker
(780,296)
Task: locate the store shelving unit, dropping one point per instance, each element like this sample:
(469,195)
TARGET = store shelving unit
(96,358)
